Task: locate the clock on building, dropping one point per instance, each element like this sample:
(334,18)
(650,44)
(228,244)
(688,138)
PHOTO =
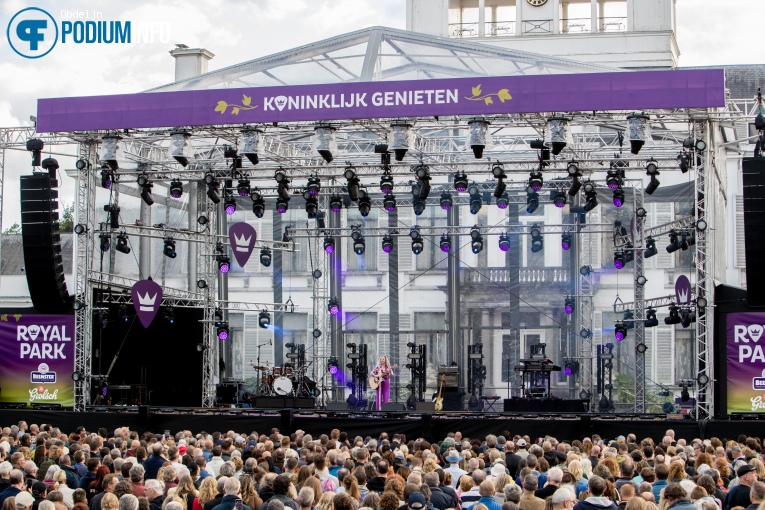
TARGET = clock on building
(537,3)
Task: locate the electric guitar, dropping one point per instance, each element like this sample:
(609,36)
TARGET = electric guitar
(375,380)
(439,399)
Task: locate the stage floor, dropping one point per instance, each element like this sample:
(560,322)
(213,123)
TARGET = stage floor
(435,426)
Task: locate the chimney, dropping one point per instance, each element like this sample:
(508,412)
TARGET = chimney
(190,62)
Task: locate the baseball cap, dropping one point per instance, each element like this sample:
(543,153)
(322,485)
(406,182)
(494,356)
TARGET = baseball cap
(521,442)
(746,468)
(24,499)
(417,500)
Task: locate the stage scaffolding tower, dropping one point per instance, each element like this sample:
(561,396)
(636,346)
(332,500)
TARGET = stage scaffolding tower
(704,348)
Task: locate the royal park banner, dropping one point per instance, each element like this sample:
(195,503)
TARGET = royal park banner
(745,362)
(37,359)
(482,95)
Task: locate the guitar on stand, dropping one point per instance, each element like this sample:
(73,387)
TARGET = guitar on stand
(439,399)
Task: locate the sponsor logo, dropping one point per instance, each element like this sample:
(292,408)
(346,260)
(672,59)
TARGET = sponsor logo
(43,375)
(41,393)
(146,303)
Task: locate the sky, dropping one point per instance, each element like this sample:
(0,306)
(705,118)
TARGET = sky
(710,32)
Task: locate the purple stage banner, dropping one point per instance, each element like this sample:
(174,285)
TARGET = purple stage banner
(745,362)
(38,359)
(640,90)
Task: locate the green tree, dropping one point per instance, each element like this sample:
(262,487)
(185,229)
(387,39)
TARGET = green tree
(13,229)
(66,223)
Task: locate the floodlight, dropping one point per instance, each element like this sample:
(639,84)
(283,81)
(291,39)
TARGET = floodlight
(478,133)
(637,131)
(180,147)
(324,142)
(249,146)
(401,139)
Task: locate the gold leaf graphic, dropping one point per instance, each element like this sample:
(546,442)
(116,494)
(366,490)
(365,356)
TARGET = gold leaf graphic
(246,100)
(222,105)
(477,90)
(17,317)
(235,110)
(488,100)
(4,317)
(504,94)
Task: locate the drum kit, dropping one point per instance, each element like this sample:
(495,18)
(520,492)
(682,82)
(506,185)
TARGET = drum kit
(289,380)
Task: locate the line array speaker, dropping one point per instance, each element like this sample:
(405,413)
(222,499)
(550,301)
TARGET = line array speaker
(43,262)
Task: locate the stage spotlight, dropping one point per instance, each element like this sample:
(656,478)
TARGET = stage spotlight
(684,162)
(229,205)
(445,244)
(81,164)
(575,174)
(675,242)
(243,187)
(264,319)
(365,203)
(107,177)
(212,188)
(314,186)
(536,181)
(620,331)
(674,316)
(105,241)
(652,170)
(618,197)
(650,318)
(258,204)
(169,249)
(687,316)
(684,395)
(333,306)
(386,182)
(418,206)
(559,134)
(146,185)
(478,131)
(702,379)
(614,178)
(570,367)
(80,229)
(619,259)
(476,240)
(176,188)
(446,201)
(311,205)
(532,201)
(700,145)
(401,139)
(637,131)
(641,280)
(504,201)
(353,183)
(387,243)
(329,245)
(504,242)
(333,365)
(565,241)
(417,243)
(122,243)
(537,241)
(224,263)
(568,305)
(335,203)
(650,248)
(559,199)
(281,205)
(324,142)
(460,182)
(499,173)
(265,256)
(423,176)
(111,150)
(180,147)
(359,245)
(476,202)
(590,196)
(249,147)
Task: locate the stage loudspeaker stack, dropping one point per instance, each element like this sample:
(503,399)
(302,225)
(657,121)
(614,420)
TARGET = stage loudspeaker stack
(391,406)
(754,223)
(43,263)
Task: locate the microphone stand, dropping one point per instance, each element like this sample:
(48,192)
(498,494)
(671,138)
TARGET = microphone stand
(259,365)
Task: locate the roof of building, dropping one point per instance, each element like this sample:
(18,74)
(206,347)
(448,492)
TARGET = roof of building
(381,54)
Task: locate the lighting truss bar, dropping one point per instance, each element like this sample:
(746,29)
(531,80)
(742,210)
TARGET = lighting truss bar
(301,233)
(195,237)
(652,303)
(679,224)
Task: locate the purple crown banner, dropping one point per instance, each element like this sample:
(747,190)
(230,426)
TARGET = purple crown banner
(242,237)
(683,290)
(147,298)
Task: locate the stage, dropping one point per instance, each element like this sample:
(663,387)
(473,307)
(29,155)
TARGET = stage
(433,426)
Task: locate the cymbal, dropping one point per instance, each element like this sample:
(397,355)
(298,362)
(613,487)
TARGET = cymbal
(260,368)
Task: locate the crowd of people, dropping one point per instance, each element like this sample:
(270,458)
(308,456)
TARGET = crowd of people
(44,468)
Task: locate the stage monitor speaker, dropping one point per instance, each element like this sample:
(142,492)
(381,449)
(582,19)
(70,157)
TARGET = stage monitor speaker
(754,226)
(425,407)
(337,406)
(390,407)
(301,402)
(226,394)
(43,263)
(453,400)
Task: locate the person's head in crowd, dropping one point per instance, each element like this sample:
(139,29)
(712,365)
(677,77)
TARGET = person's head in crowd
(662,471)
(153,489)
(327,501)
(23,500)
(46,505)
(513,493)
(563,498)
(343,501)
(416,501)
(306,497)
(596,485)
(747,474)
(486,489)
(372,500)
(530,483)
(128,502)
(626,492)
(674,492)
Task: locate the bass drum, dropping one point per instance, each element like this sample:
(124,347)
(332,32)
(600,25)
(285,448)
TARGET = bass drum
(282,386)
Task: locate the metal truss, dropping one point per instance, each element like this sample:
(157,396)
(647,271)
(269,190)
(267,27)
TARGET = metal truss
(194,237)
(666,228)
(639,306)
(659,302)
(704,348)
(84,245)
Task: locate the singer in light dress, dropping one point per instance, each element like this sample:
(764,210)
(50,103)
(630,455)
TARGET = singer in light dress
(383,372)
